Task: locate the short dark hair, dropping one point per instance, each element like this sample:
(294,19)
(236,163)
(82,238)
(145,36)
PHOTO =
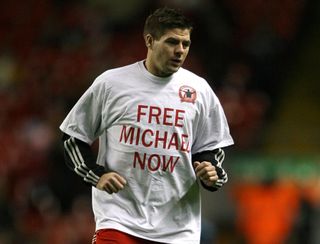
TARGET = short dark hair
(163,19)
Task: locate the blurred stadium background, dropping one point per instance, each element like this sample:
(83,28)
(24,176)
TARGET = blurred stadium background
(261,58)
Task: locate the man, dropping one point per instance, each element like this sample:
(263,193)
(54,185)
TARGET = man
(160,127)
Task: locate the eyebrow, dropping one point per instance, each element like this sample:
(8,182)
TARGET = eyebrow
(188,42)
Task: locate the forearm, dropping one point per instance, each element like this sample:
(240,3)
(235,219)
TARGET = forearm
(216,157)
(81,160)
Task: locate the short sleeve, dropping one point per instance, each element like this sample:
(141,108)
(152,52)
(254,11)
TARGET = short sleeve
(84,121)
(213,130)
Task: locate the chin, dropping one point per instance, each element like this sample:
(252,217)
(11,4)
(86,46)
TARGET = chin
(170,70)
(174,69)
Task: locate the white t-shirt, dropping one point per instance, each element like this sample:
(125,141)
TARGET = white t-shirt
(148,127)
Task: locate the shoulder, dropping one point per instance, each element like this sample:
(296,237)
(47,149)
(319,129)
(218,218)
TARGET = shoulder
(205,94)
(119,71)
(196,81)
(187,73)
(115,76)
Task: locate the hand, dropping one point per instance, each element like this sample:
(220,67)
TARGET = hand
(206,172)
(111,182)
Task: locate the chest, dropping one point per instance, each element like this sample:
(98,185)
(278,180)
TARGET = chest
(159,107)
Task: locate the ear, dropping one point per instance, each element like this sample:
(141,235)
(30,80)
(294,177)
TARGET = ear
(149,40)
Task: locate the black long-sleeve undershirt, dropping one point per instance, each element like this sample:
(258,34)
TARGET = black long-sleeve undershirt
(80,158)
(216,157)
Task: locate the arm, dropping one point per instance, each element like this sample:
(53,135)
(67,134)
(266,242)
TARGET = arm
(208,167)
(80,159)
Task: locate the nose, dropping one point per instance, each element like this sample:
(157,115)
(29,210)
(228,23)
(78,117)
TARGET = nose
(179,49)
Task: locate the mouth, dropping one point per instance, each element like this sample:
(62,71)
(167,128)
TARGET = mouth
(176,62)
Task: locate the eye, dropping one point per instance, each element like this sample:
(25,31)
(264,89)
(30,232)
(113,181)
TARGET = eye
(172,41)
(186,44)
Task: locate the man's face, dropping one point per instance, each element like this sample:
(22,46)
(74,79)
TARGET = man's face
(167,54)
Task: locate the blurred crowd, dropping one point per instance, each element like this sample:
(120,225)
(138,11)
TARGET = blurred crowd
(51,51)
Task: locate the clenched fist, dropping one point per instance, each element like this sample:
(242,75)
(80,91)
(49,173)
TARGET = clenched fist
(111,182)
(206,172)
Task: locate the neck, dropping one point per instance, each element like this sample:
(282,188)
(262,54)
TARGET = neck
(148,65)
